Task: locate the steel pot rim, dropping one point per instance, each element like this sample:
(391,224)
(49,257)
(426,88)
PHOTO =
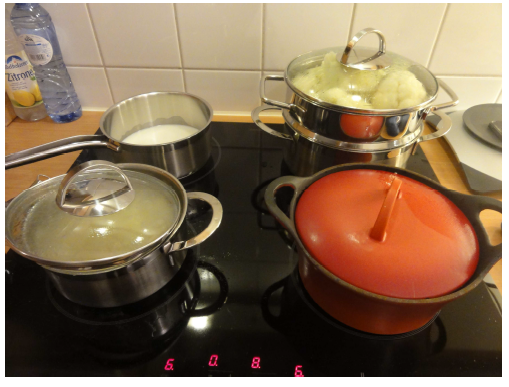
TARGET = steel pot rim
(125,144)
(307,181)
(112,262)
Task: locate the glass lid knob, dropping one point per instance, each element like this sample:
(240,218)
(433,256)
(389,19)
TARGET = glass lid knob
(375,62)
(94,188)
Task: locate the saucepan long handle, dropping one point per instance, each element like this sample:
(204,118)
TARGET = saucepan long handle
(57,148)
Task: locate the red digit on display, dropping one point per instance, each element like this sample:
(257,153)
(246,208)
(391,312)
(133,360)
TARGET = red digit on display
(298,372)
(169,365)
(256,362)
(213,361)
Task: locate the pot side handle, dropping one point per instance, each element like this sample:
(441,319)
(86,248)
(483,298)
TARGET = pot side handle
(450,92)
(217,216)
(57,148)
(297,184)
(443,126)
(255,115)
(472,206)
(272,102)
(40,178)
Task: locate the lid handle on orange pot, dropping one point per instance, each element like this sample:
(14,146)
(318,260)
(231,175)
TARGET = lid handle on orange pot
(379,230)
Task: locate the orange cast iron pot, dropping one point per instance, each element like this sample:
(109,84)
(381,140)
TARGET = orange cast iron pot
(373,305)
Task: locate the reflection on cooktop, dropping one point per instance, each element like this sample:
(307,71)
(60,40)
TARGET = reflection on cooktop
(251,257)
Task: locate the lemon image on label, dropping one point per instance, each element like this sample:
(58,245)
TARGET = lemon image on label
(36,92)
(24,98)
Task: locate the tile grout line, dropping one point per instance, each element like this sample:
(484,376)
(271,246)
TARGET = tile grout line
(499,95)
(351,21)
(257,70)
(100,52)
(440,29)
(181,57)
(259,99)
(262,66)
(170,68)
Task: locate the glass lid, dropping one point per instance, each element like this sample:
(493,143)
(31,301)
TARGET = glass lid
(85,229)
(355,77)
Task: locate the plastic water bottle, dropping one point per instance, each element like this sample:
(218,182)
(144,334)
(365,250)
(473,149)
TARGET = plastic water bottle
(20,83)
(36,32)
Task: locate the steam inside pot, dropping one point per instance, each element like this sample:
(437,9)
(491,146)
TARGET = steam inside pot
(392,88)
(53,234)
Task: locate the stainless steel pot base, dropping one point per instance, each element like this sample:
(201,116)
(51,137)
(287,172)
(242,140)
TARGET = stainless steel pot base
(129,313)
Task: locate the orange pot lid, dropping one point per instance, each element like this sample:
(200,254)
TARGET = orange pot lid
(387,234)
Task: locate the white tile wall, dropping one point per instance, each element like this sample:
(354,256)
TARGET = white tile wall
(226,91)
(470,42)
(471,91)
(127,83)
(141,35)
(75,34)
(91,86)
(220,36)
(220,51)
(410,29)
(293,29)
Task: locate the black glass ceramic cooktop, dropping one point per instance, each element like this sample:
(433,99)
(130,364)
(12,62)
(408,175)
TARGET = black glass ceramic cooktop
(237,307)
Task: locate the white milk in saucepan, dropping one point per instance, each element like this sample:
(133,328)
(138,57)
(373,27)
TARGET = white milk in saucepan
(160,134)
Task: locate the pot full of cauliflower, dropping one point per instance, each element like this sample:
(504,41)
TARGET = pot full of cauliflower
(344,94)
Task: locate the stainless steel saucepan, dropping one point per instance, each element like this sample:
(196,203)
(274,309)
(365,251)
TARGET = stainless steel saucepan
(180,158)
(123,257)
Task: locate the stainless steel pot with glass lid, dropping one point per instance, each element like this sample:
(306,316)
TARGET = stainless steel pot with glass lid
(341,112)
(107,234)
(373,105)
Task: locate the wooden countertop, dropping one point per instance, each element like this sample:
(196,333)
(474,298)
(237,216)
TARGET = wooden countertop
(21,135)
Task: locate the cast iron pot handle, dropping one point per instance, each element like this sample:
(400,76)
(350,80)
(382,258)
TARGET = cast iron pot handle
(57,148)
(217,216)
(298,184)
(472,205)
(255,115)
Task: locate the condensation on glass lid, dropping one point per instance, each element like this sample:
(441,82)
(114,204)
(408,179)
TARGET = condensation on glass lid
(53,234)
(393,88)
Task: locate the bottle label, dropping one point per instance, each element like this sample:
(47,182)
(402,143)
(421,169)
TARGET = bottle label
(20,82)
(39,50)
